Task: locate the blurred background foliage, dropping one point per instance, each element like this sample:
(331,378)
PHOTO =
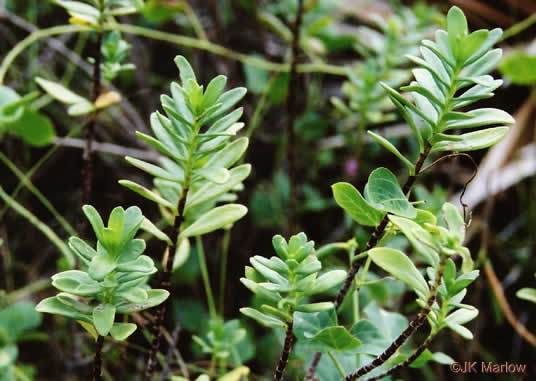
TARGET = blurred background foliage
(350,46)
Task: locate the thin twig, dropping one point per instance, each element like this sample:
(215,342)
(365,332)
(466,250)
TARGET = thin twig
(505,306)
(407,362)
(292,113)
(97,364)
(166,284)
(171,350)
(404,336)
(110,148)
(287,348)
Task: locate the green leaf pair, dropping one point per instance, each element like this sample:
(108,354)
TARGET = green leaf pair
(285,282)
(382,195)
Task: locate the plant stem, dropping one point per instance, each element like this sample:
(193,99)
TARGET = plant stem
(412,327)
(166,284)
(374,238)
(97,364)
(292,113)
(223,270)
(407,362)
(287,348)
(205,276)
(336,363)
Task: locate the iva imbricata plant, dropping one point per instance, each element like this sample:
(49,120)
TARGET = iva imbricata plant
(115,281)
(285,283)
(196,170)
(452,75)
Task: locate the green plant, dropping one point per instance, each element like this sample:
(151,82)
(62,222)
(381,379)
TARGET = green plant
(196,171)
(115,281)
(452,74)
(285,283)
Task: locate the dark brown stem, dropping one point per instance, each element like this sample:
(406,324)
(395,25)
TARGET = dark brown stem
(292,113)
(287,348)
(374,238)
(406,363)
(97,363)
(156,330)
(87,169)
(404,336)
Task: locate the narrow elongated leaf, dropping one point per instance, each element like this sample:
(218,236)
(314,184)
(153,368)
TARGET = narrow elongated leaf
(266,320)
(213,92)
(215,219)
(400,266)
(149,227)
(481,117)
(527,294)
(421,240)
(349,198)
(214,174)
(389,146)
(54,306)
(212,191)
(473,141)
(60,92)
(141,190)
(383,189)
(154,169)
(457,30)
(229,155)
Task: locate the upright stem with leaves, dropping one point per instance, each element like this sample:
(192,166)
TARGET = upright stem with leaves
(195,171)
(455,61)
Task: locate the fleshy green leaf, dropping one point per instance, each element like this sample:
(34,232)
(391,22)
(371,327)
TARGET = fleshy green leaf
(383,189)
(349,198)
(327,281)
(266,320)
(103,318)
(54,306)
(457,30)
(215,219)
(154,298)
(61,93)
(400,266)
(121,331)
(389,146)
(473,141)
(421,240)
(527,294)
